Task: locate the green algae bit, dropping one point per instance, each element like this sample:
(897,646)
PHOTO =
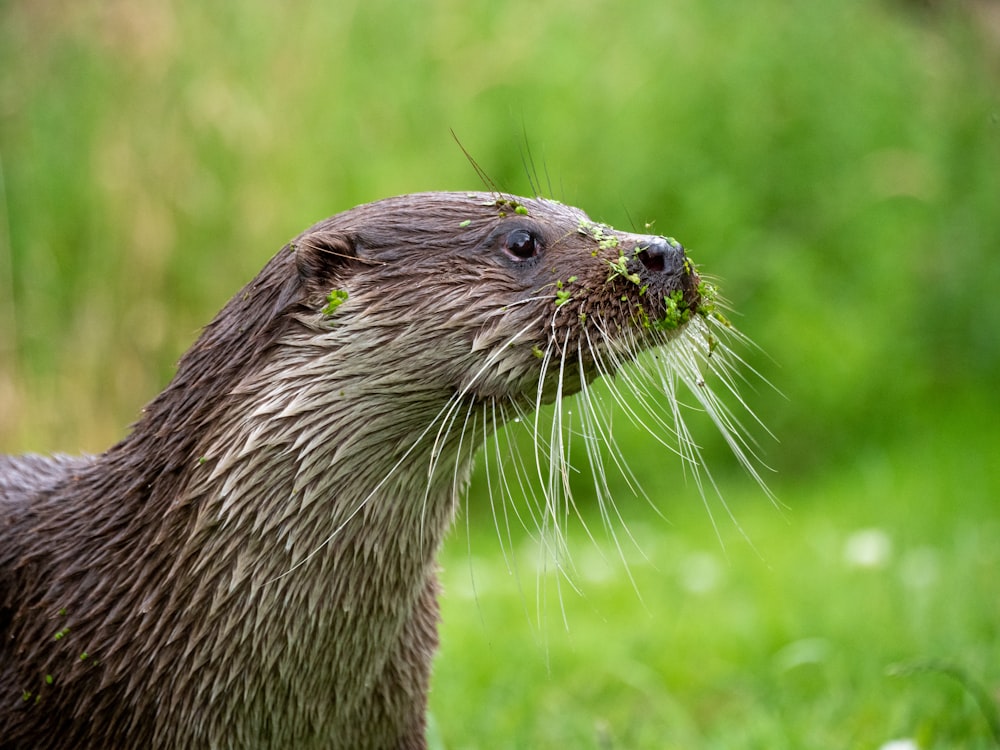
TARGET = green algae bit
(708,296)
(562,294)
(334,299)
(505,204)
(619,269)
(677,312)
(602,234)
(708,304)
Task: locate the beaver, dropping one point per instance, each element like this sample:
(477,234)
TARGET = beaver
(254,564)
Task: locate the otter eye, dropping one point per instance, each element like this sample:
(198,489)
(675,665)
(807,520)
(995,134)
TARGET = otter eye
(522,244)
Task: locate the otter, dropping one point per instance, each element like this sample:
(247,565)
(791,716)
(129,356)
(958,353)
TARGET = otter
(254,564)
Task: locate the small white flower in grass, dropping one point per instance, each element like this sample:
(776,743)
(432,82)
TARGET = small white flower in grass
(868,548)
(903,744)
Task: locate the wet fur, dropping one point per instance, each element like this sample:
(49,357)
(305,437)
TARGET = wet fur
(254,564)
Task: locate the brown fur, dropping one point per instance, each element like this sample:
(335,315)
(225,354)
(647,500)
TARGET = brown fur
(254,564)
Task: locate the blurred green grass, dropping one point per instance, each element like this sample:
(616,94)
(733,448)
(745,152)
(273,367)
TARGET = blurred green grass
(835,165)
(830,627)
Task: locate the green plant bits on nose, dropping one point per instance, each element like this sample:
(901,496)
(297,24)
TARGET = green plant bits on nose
(677,312)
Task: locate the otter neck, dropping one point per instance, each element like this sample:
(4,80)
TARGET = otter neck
(305,538)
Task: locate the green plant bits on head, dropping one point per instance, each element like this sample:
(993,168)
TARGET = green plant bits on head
(720,318)
(707,295)
(619,267)
(537,351)
(676,314)
(708,306)
(334,299)
(712,342)
(562,294)
(465,223)
(598,232)
(509,203)
(642,317)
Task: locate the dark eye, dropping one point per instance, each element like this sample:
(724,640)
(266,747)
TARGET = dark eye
(522,244)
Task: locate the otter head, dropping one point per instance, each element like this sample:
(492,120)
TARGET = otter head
(501,298)
(409,329)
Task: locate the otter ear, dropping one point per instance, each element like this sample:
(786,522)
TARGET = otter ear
(323,258)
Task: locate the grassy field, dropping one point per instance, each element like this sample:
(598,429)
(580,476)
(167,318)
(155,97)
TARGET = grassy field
(836,166)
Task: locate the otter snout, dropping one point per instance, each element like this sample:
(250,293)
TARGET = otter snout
(658,255)
(665,268)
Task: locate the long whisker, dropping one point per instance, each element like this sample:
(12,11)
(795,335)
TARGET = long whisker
(605,498)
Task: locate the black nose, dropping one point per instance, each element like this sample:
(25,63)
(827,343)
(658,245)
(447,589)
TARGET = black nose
(662,255)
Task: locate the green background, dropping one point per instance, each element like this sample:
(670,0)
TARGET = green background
(835,165)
